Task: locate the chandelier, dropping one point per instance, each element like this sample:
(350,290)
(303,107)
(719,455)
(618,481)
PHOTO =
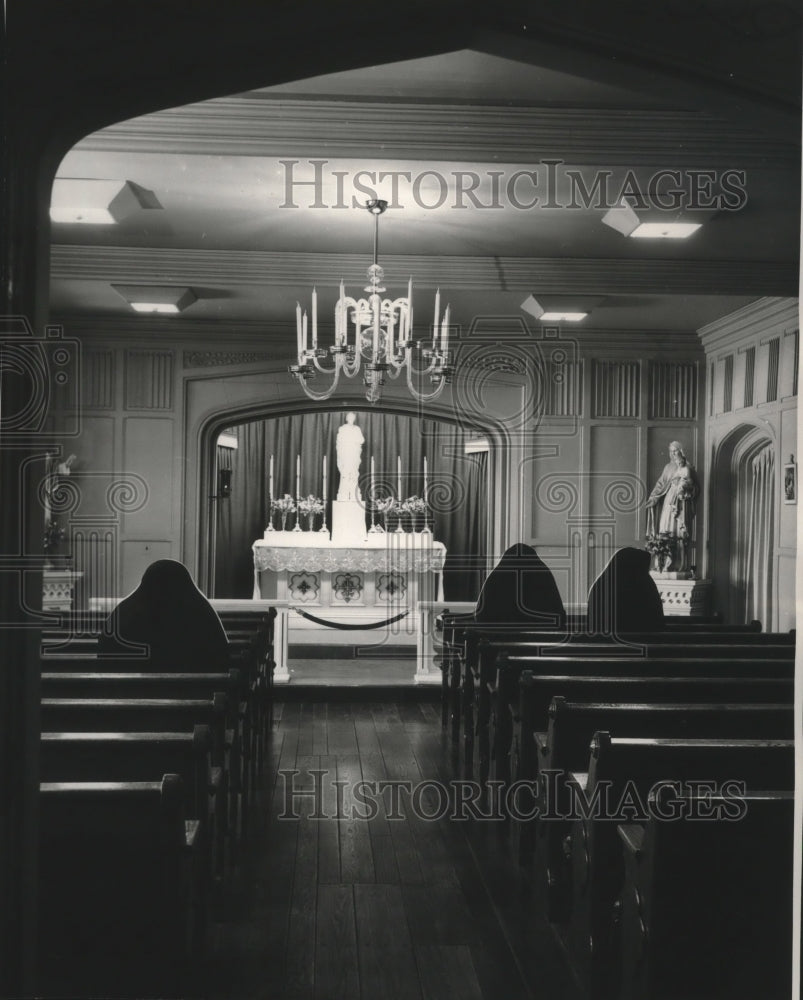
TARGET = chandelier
(374,335)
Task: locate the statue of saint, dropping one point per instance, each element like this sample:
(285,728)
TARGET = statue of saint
(349,444)
(678,488)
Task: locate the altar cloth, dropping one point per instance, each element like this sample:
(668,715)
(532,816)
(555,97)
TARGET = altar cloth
(404,552)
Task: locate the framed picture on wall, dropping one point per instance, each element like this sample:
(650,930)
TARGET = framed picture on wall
(790,481)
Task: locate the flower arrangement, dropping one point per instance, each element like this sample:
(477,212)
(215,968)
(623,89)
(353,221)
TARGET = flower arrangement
(660,545)
(310,505)
(385,505)
(284,505)
(54,534)
(414,505)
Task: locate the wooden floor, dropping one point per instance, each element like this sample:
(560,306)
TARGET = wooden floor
(352,671)
(376,908)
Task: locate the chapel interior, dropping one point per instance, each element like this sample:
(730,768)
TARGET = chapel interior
(220,166)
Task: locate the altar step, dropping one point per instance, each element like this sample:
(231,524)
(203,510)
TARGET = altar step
(338,693)
(353,673)
(355,651)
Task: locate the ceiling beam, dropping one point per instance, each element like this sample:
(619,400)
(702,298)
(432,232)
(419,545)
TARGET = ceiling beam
(554,275)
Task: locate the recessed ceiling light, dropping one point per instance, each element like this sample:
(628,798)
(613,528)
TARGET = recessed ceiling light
(161,299)
(532,306)
(88,201)
(624,220)
(558,317)
(664,230)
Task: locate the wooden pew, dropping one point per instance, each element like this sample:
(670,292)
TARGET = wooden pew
(564,747)
(118,872)
(251,635)
(88,678)
(66,756)
(91,682)
(503,694)
(160,715)
(722,889)
(632,767)
(472,663)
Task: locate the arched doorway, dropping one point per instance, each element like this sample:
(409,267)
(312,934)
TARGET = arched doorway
(744,528)
(396,445)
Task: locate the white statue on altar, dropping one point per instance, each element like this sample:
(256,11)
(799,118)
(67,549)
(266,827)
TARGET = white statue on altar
(349,444)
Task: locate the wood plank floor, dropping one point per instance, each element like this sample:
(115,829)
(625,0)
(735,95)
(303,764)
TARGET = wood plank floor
(384,905)
(352,671)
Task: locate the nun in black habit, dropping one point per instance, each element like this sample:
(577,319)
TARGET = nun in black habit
(521,590)
(169,620)
(624,597)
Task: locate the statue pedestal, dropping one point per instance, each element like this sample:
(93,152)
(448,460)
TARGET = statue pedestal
(681,595)
(348,523)
(57,588)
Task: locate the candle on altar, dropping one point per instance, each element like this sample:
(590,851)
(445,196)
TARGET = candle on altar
(270,479)
(341,334)
(324,478)
(298,477)
(373,494)
(436,322)
(398,476)
(425,478)
(304,329)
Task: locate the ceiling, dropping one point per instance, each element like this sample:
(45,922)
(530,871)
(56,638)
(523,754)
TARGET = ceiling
(258,191)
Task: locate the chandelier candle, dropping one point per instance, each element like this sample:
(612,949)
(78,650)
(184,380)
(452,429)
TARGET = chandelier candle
(314,319)
(445,332)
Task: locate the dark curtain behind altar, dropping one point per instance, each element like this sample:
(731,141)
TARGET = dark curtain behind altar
(457,486)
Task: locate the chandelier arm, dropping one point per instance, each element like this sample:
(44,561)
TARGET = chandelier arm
(324,371)
(424,396)
(321,396)
(422,371)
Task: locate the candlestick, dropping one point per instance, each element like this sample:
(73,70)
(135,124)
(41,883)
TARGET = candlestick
(298,328)
(341,339)
(436,322)
(324,478)
(270,479)
(398,476)
(425,478)
(373,493)
(298,477)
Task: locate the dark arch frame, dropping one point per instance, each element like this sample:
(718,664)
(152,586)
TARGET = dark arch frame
(498,458)
(729,456)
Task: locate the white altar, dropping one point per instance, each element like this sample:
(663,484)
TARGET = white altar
(381,582)
(358,581)
(385,575)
